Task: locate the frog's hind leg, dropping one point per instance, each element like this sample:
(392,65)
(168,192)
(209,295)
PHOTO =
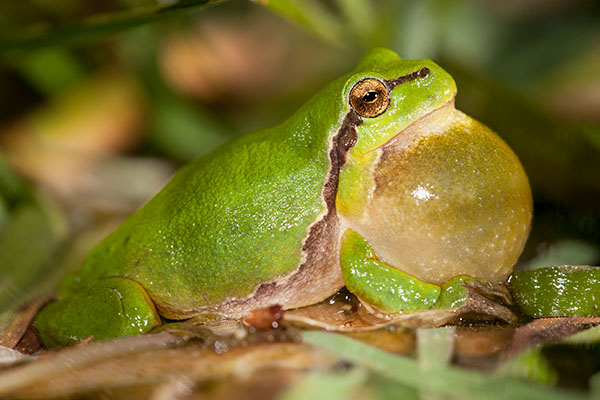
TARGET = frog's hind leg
(105,309)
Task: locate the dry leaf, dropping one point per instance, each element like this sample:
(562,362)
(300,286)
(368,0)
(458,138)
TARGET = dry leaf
(344,313)
(548,330)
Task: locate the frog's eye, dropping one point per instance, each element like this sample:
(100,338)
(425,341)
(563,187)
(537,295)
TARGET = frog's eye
(369,98)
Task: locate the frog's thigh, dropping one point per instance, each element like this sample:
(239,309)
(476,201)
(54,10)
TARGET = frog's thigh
(108,308)
(379,284)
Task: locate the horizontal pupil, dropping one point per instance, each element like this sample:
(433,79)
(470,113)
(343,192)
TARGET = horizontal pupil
(370,97)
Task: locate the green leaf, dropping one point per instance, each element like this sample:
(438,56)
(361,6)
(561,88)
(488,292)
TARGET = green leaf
(381,388)
(435,347)
(595,386)
(446,381)
(310,15)
(531,365)
(51,70)
(566,252)
(96,27)
(586,337)
(31,237)
(331,386)
(182,131)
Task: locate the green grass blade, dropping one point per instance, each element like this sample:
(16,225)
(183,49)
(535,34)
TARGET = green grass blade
(96,27)
(312,16)
(566,252)
(444,381)
(330,386)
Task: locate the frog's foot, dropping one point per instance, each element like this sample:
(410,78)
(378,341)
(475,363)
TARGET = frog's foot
(386,288)
(108,308)
(559,291)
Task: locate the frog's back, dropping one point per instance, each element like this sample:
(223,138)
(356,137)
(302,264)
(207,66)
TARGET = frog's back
(231,228)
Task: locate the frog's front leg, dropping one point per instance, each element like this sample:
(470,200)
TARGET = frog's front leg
(391,290)
(104,309)
(380,285)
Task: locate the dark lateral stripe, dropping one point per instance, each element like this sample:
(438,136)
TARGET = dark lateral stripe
(342,143)
(422,73)
(321,234)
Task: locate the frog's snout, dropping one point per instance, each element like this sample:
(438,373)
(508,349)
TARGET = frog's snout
(451,198)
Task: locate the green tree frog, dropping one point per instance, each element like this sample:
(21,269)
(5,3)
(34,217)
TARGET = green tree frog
(377,183)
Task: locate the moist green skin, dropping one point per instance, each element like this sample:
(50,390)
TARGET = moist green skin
(234,219)
(201,239)
(222,226)
(384,287)
(390,290)
(557,291)
(131,317)
(256,222)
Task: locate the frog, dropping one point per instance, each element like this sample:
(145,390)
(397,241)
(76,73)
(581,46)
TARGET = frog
(377,183)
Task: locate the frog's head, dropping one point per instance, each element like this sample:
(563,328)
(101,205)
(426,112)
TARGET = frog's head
(389,94)
(436,193)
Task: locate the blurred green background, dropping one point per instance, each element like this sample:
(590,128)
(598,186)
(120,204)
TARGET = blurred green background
(101,101)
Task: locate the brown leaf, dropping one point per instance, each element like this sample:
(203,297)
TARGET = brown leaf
(30,343)
(346,314)
(548,330)
(55,365)
(20,323)
(160,368)
(398,341)
(481,341)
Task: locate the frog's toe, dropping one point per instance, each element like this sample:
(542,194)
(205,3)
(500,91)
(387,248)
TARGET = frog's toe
(110,308)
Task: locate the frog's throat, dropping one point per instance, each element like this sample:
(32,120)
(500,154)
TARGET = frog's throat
(319,274)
